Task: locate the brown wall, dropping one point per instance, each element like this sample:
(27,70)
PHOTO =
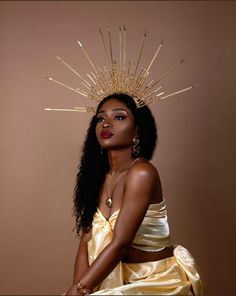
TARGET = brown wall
(40,150)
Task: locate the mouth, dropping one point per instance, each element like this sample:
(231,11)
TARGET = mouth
(106,134)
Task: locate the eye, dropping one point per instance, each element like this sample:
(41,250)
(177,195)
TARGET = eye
(119,117)
(100,119)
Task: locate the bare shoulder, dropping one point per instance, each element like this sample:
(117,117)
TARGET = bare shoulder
(143,167)
(143,177)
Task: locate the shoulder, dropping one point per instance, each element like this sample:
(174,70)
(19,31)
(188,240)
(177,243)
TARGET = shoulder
(142,170)
(143,166)
(142,183)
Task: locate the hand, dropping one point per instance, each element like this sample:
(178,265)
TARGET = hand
(73,290)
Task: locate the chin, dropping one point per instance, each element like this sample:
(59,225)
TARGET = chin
(114,147)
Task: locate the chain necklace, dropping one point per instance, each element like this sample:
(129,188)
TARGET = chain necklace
(109,198)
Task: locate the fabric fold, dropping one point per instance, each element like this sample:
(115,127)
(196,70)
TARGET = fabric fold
(176,275)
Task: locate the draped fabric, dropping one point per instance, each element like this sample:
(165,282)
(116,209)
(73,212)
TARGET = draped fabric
(176,275)
(153,234)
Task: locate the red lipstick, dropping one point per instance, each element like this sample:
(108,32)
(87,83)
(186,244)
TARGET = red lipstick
(106,134)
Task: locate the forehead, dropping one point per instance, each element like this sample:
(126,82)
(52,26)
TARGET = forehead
(113,104)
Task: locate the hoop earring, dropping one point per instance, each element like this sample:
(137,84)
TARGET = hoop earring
(136,147)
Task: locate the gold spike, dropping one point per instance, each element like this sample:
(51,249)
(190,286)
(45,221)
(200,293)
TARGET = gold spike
(149,83)
(85,85)
(90,77)
(128,71)
(94,76)
(76,73)
(85,109)
(110,43)
(154,98)
(140,53)
(160,94)
(75,109)
(69,87)
(120,47)
(104,46)
(172,69)
(81,46)
(124,49)
(148,88)
(177,92)
(169,71)
(153,92)
(154,57)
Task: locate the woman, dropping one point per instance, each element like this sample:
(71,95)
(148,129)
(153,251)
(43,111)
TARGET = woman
(120,211)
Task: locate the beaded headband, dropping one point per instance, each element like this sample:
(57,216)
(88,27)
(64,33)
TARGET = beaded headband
(118,77)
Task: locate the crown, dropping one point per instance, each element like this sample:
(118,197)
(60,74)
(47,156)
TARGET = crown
(118,76)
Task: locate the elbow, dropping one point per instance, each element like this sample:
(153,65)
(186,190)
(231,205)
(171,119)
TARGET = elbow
(121,247)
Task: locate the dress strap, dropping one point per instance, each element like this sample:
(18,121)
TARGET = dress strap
(136,160)
(133,163)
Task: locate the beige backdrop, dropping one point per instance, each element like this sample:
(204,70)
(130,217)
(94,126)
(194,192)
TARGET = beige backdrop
(40,150)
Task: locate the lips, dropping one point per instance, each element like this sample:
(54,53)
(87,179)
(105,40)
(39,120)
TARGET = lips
(106,134)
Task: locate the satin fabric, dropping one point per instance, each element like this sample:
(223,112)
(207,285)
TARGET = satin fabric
(153,234)
(176,275)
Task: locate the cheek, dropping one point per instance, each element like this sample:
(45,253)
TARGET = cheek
(97,130)
(128,131)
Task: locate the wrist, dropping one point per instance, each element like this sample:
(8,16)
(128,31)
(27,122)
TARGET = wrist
(82,288)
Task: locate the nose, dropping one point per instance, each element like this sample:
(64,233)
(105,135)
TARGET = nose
(106,124)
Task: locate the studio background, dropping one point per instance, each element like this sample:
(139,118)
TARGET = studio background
(40,150)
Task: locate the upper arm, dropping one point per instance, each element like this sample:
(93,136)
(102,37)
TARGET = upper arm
(140,185)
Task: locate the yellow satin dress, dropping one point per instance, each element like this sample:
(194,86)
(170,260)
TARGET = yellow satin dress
(176,275)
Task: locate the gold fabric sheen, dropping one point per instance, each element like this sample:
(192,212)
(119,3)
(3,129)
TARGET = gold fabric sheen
(153,234)
(176,275)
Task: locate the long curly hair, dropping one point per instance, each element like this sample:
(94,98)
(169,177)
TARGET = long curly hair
(94,163)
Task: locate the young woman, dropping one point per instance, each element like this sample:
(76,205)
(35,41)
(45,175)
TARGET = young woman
(120,211)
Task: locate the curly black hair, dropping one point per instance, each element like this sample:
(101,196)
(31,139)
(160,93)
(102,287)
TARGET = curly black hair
(94,163)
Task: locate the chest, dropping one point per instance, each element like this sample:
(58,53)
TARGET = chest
(115,192)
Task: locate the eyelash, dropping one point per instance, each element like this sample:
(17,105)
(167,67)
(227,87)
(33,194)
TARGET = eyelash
(121,117)
(99,119)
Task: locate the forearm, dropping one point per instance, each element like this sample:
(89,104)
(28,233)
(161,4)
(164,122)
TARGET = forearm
(81,265)
(81,261)
(103,265)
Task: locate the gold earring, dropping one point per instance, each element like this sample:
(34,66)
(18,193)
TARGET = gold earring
(136,147)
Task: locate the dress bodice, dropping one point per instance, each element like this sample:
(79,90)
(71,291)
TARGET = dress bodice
(152,235)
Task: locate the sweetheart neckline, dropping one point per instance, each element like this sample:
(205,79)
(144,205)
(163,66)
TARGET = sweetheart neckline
(108,219)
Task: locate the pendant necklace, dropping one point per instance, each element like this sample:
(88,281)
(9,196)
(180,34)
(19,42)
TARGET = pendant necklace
(109,198)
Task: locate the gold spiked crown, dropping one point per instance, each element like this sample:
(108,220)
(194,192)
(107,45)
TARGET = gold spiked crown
(118,77)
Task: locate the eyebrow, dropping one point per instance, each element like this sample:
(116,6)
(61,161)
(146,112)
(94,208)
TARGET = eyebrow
(116,109)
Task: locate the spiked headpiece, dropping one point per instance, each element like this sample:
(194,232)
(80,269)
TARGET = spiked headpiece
(120,76)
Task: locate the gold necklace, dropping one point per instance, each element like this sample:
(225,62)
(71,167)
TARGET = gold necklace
(109,198)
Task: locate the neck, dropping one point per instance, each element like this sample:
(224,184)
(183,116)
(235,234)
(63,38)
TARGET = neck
(119,160)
